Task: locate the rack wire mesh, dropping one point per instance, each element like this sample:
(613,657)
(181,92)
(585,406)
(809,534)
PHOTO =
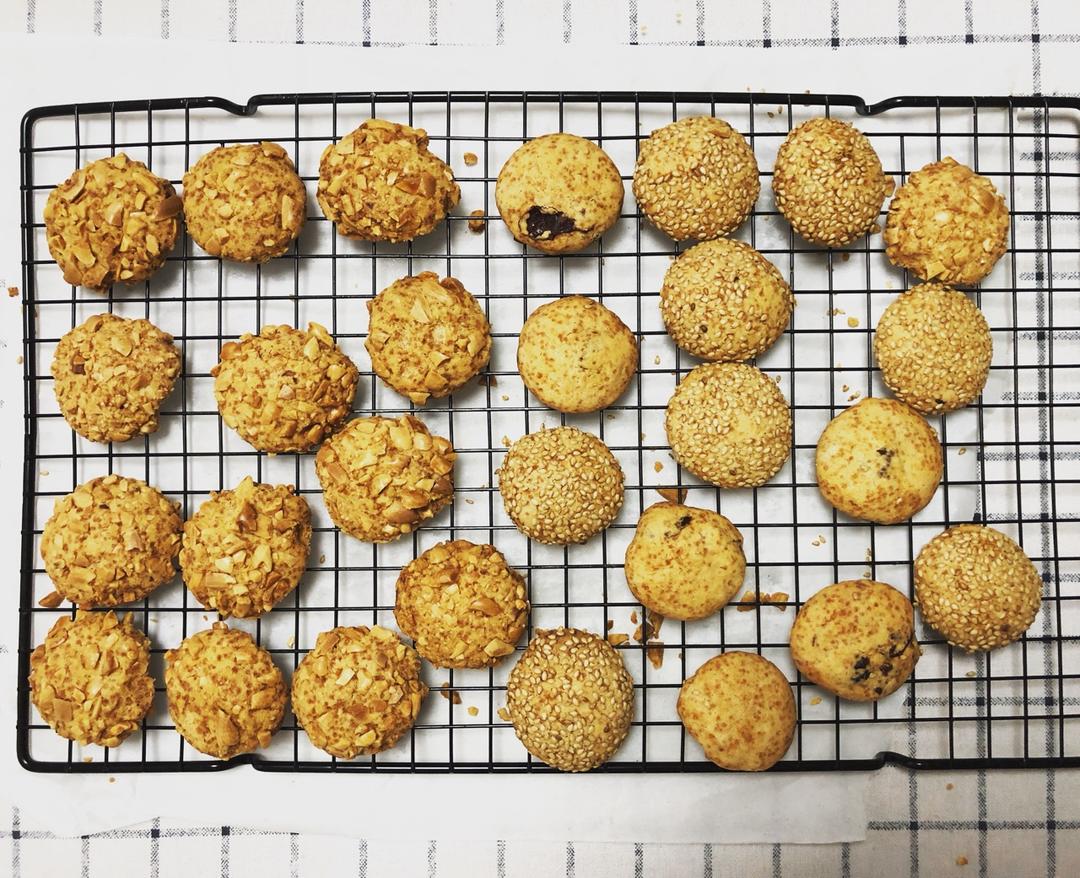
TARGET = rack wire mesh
(1012,460)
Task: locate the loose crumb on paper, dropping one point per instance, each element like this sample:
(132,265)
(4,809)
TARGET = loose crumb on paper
(470,501)
(617,639)
(13,292)
(672,495)
(836,312)
(961,450)
(853,322)
(477,223)
(657,466)
(746,602)
(656,360)
(449,694)
(949,786)
(961,860)
(815,700)
(472,711)
(470,158)
(506,441)
(503,714)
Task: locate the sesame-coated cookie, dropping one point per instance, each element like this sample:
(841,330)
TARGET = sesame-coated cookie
(856,639)
(559,193)
(382,477)
(933,347)
(111,375)
(976,586)
(570,699)
(427,337)
(111,541)
(111,221)
(560,486)
(89,678)
(226,695)
(879,460)
(947,224)
(245,549)
(244,202)
(575,355)
(684,562)
(381,183)
(284,389)
(740,708)
(722,300)
(462,604)
(828,182)
(696,178)
(729,424)
(358,691)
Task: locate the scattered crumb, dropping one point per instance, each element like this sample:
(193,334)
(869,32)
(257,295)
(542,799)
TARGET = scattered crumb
(655,652)
(961,861)
(949,786)
(477,223)
(822,539)
(505,397)
(205,618)
(472,711)
(866,574)
(112,779)
(633,617)
(815,700)
(844,388)
(291,642)
(470,158)
(835,312)
(322,558)
(770,114)
(503,714)
(19,359)
(777,598)
(844,257)
(470,501)
(88,759)
(869,556)
(672,495)
(506,441)
(853,322)
(971,674)
(487,381)
(854,396)
(961,450)
(43,472)
(653,622)
(815,542)
(656,360)
(449,694)
(610,624)
(13,292)
(657,466)
(617,639)
(611,416)
(746,602)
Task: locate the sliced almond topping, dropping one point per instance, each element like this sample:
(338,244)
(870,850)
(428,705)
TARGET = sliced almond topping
(114,213)
(345,146)
(486,606)
(73,189)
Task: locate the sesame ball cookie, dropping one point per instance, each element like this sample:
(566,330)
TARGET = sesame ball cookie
(111,375)
(722,300)
(828,182)
(933,347)
(740,708)
(382,477)
(226,695)
(559,193)
(947,223)
(245,549)
(381,183)
(696,178)
(284,389)
(683,562)
(427,337)
(560,486)
(89,678)
(462,605)
(111,221)
(729,424)
(879,461)
(856,639)
(570,699)
(575,355)
(244,202)
(976,586)
(111,541)
(358,691)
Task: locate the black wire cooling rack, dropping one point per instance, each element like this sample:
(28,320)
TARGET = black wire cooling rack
(1012,460)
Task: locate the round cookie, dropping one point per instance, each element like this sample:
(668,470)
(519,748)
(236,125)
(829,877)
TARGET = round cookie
(244,202)
(947,223)
(933,347)
(696,178)
(89,679)
(729,424)
(828,182)
(879,461)
(358,691)
(684,562)
(111,221)
(570,699)
(111,541)
(856,639)
(382,477)
(427,337)
(111,375)
(575,355)
(559,193)
(740,708)
(722,300)
(245,549)
(284,389)
(226,695)
(560,486)
(976,586)
(381,183)
(462,605)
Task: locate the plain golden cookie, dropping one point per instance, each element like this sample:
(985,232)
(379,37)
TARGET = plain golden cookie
(358,691)
(111,221)
(462,604)
(570,699)
(575,355)
(284,389)
(111,541)
(856,639)
(976,586)
(879,461)
(382,478)
(111,374)
(427,337)
(89,678)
